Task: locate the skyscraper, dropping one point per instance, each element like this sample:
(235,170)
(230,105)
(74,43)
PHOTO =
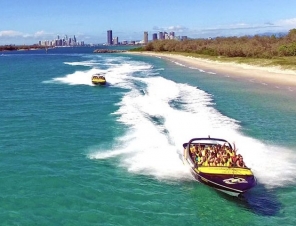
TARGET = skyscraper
(115,41)
(145,37)
(161,37)
(172,35)
(166,35)
(154,37)
(109,37)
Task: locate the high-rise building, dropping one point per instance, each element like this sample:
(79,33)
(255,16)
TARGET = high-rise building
(172,35)
(166,35)
(154,37)
(161,37)
(115,41)
(145,37)
(109,37)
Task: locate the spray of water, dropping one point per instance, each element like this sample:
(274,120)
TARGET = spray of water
(162,115)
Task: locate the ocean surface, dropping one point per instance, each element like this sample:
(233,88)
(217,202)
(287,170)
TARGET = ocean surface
(72,153)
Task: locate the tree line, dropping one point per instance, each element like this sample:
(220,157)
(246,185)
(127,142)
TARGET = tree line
(20,47)
(246,46)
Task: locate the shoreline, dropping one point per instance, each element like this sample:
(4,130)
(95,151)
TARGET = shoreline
(264,75)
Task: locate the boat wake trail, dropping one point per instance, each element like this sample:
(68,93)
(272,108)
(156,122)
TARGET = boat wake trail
(116,70)
(162,115)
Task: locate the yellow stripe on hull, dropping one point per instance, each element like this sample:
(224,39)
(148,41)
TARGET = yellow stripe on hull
(224,170)
(98,80)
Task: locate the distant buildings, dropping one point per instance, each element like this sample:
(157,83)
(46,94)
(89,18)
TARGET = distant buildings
(109,37)
(145,37)
(172,35)
(69,41)
(161,36)
(66,41)
(115,41)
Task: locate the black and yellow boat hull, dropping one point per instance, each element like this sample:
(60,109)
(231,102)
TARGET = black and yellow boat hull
(231,180)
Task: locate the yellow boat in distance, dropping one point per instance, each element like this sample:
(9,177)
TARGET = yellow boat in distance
(98,79)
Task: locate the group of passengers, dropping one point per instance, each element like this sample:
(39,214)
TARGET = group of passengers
(216,155)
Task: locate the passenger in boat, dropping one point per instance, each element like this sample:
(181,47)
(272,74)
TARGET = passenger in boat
(240,162)
(192,152)
(225,158)
(211,159)
(201,159)
(235,157)
(228,161)
(221,154)
(206,153)
(204,157)
(213,149)
(217,162)
(232,152)
(234,148)
(222,162)
(197,149)
(203,150)
(196,158)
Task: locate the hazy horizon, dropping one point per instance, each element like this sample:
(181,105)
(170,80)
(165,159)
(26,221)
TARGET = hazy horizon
(28,22)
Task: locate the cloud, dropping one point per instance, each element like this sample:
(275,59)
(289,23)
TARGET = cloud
(269,23)
(10,34)
(237,29)
(18,37)
(156,28)
(39,34)
(176,28)
(18,34)
(241,26)
(287,22)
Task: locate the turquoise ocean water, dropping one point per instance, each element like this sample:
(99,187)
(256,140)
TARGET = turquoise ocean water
(76,154)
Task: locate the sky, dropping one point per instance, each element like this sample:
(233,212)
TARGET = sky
(30,21)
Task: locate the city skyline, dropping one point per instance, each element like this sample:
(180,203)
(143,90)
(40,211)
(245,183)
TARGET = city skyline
(27,22)
(69,41)
(162,35)
(65,41)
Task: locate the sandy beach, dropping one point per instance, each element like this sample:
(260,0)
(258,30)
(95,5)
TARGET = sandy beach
(266,75)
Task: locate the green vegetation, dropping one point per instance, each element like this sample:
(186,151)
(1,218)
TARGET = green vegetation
(138,49)
(20,47)
(257,50)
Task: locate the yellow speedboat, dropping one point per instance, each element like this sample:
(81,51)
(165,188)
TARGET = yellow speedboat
(98,79)
(210,163)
